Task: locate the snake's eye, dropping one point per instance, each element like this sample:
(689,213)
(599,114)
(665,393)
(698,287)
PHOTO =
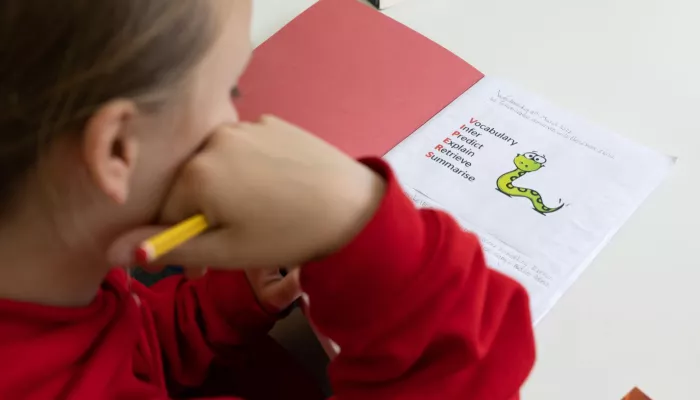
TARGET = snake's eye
(540,159)
(530,156)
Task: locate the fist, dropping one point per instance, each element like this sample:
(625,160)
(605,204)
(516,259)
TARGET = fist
(274,195)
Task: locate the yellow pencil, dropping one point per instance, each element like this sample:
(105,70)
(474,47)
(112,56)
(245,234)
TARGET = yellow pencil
(164,242)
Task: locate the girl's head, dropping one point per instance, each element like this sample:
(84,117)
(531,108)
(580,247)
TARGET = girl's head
(102,101)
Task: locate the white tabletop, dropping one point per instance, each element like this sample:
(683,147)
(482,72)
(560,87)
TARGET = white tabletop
(633,318)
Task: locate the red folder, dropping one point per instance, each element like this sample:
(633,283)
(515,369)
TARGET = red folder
(351,75)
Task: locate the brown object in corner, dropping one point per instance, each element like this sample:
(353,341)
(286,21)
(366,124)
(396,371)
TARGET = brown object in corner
(636,394)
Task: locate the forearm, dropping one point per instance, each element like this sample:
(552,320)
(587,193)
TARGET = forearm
(416,312)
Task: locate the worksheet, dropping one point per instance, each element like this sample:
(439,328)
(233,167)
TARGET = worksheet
(543,190)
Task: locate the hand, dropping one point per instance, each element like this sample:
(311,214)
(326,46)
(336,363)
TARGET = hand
(274,195)
(275,292)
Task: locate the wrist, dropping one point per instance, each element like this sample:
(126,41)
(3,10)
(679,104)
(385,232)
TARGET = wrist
(358,203)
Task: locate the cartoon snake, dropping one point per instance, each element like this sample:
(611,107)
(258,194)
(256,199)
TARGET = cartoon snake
(525,163)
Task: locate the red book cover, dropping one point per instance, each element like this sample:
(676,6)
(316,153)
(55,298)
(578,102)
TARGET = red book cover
(353,76)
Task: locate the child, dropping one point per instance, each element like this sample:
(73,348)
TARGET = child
(117,113)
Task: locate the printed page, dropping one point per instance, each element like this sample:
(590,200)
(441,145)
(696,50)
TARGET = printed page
(542,189)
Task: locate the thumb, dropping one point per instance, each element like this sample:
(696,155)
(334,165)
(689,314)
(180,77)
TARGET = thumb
(285,291)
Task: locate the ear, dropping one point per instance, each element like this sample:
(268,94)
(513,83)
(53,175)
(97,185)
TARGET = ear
(110,150)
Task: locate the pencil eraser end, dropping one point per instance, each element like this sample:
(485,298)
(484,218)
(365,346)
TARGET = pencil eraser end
(141,256)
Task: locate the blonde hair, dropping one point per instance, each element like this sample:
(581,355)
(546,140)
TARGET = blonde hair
(62,60)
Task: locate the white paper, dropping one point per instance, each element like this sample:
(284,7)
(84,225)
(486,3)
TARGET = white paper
(574,184)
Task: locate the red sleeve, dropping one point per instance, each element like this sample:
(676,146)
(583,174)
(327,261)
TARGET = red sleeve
(204,321)
(416,312)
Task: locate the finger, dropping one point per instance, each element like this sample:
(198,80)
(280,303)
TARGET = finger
(182,200)
(121,251)
(225,249)
(188,195)
(285,292)
(264,276)
(217,247)
(284,271)
(205,249)
(210,248)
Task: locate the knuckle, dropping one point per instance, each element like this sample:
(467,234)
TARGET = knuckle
(196,172)
(267,119)
(222,129)
(221,134)
(240,132)
(225,142)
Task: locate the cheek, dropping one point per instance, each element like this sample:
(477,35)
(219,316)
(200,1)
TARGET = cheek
(183,140)
(168,145)
(207,119)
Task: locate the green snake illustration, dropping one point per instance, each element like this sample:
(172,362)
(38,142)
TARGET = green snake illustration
(525,163)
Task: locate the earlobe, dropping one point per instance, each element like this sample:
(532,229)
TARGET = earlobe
(110,149)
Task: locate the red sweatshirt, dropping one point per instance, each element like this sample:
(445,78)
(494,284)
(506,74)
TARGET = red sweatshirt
(410,302)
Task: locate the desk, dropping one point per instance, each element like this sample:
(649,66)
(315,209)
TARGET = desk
(633,318)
